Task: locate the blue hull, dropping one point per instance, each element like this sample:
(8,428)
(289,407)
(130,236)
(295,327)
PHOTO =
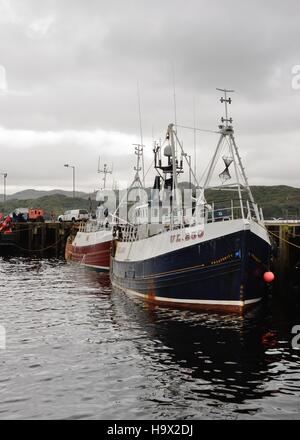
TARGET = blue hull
(223,273)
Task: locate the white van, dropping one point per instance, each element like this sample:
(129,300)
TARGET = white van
(74,215)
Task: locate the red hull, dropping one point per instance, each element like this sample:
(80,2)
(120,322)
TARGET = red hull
(96,256)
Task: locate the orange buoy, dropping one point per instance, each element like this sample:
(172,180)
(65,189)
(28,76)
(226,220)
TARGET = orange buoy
(269,277)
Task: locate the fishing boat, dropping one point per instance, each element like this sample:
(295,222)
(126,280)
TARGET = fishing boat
(91,245)
(212,254)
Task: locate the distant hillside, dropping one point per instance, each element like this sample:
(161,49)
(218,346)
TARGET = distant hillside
(57,203)
(276,201)
(35,194)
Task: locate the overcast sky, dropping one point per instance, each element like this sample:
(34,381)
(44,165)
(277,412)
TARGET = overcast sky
(68,85)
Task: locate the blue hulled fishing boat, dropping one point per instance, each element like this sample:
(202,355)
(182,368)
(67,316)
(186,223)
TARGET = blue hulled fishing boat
(211,253)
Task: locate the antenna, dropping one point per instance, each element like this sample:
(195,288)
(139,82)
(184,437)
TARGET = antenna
(140,114)
(175,106)
(226,102)
(139,151)
(105,171)
(141,132)
(195,157)
(174,95)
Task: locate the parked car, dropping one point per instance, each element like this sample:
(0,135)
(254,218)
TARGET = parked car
(74,215)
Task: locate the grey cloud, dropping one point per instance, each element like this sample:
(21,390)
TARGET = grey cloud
(73,65)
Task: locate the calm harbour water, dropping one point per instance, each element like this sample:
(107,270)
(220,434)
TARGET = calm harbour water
(75,349)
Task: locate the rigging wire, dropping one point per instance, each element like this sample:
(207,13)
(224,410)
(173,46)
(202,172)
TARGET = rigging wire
(197,129)
(141,129)
(185,156)
(152,163)
(205,171)
(195,140)
(240,176)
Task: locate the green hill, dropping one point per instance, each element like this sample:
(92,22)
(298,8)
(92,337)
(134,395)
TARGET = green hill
(276,201)
(57,203)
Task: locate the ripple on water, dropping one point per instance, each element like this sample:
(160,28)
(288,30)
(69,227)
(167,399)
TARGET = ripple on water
(75,349)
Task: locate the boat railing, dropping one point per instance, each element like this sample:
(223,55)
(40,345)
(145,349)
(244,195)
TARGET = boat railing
(209,213)
(92,226)
(125,232)
(232,210)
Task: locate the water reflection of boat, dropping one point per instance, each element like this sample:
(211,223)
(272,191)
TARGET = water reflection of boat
(227,355)
(294,280)
(8,243)
(216,359)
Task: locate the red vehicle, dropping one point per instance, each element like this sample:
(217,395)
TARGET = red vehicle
(35,215)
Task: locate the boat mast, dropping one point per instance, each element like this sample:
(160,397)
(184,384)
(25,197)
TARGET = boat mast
(195,151)
(141,145)
(227,133)
(237,156)
(136,183)
(104,171)
(174,165)
(227,130)
(139,151)
(171,169)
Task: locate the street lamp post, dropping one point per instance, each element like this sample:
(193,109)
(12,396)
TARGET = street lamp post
(4,189)
(71,166)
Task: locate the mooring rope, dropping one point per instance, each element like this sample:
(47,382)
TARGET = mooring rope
(41,249)
(286,241)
